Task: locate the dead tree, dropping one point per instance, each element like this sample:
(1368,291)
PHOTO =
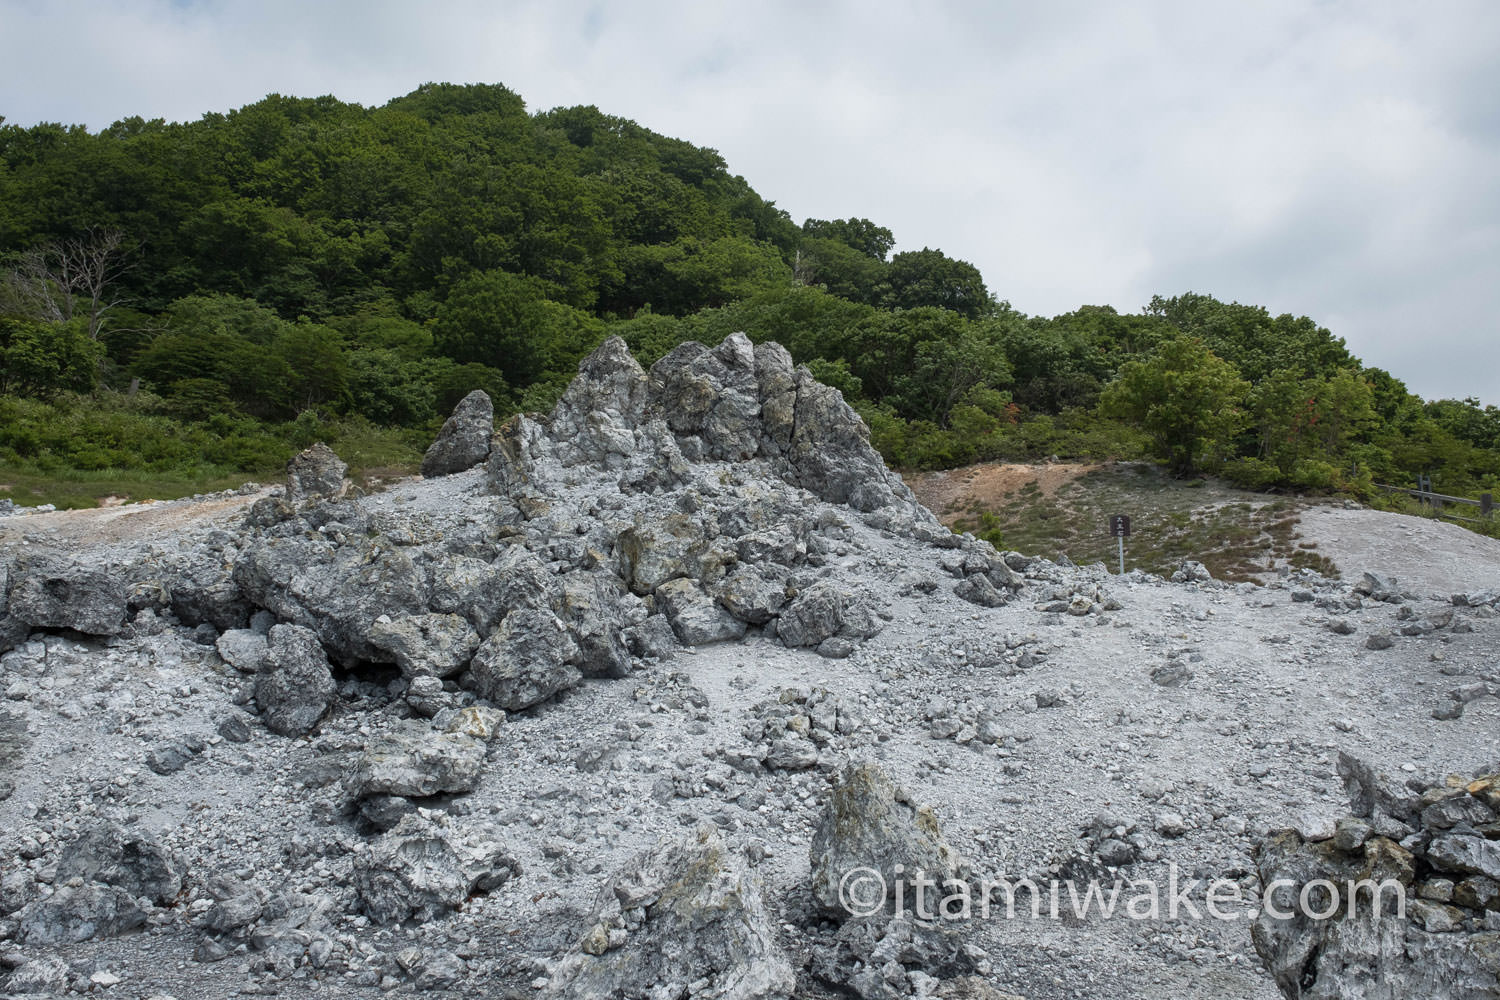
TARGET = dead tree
(65,279)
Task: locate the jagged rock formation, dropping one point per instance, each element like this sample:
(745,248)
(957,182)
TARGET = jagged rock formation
(734,403)
(687,596)
(1432,930)
(871,825)
(464,440)
(316,472)
(689,912)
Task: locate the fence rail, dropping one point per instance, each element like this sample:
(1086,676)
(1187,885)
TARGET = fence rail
(1485,503)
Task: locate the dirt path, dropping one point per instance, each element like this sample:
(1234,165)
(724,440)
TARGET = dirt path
(128,522)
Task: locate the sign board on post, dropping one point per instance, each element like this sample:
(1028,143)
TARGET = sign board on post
(1119,527)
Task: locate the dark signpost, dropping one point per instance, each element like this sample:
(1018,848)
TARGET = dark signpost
(1119,527)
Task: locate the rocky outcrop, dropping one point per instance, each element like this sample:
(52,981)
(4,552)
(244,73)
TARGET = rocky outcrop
(339,591)
(103,876)
(464,440)
(687,912)
(732,403)
(527,660)
(1428,927)
(871,827)
(316,472)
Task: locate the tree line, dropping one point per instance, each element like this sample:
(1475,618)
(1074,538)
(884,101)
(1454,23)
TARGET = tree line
(299,260)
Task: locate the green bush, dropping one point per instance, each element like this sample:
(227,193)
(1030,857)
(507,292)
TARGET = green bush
(1251,473)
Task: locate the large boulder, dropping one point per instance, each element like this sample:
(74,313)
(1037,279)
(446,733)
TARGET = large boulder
(435,644)
(484,592)
(595,607)
(78,913)
(338,591)
(418,763)
(464,440)
(528,660)
(127,859)
(50,590)
(871,825)
(695,616)
(295,687)
(688,911)
(410,873)
(823,611)
(316,472)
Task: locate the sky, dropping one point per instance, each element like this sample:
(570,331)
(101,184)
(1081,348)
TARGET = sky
(1339,160)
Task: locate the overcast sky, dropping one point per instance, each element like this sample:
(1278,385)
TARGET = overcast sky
(1335,159)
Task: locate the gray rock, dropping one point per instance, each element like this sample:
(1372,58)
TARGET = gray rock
(235,728)
(126,859)
(1465,855)
(338,591)
(870,823)
(46,975)
(528,660)
(79,913)
(439,645)
(1191,571)
(883,958)
(1173,673)
(654,551)
(1371,789)
(1115,853)
(815,614)
(484,593)
(697,618)
(978,589)
(594,607)
(464,440)
(688,911)
(410,873)
(1379,640)
(244,649)
(171,757)
(1362,954)
(295,689)
(753,595)
(1379,588)
(417,762)
(236,906)
(653,637)
(316,472)
(441,970)
(50,591)
(202,590)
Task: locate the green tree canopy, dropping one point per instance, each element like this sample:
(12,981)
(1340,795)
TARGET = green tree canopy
(1185,397)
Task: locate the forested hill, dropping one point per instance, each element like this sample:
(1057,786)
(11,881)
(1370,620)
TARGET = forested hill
(197,299)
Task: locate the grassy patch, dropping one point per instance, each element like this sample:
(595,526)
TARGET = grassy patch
(1237,535)
(77,451)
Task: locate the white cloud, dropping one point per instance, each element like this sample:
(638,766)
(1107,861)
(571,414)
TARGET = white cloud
(1337,159)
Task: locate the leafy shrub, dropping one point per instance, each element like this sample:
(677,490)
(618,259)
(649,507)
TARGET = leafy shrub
(1251,473)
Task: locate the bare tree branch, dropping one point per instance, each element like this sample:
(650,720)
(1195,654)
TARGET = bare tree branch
(68,278)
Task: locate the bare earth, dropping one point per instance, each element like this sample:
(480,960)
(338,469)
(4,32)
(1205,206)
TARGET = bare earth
(1426,555)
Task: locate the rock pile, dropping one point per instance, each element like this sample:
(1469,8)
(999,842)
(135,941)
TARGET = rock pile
(1429,927)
